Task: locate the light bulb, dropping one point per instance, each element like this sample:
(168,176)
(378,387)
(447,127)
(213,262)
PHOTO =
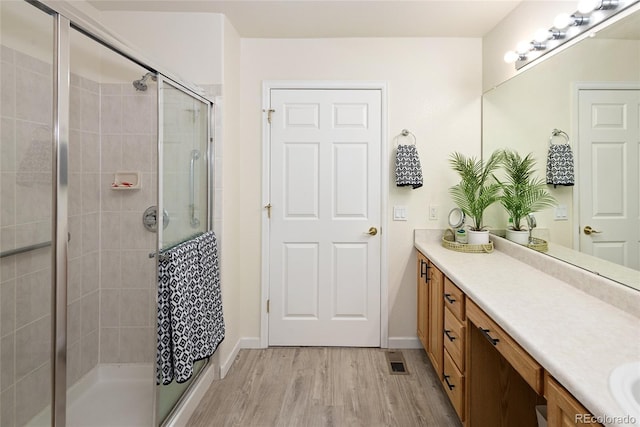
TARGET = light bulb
(523,47)
(542,35)
(562,21)
(588,6)
(511,57)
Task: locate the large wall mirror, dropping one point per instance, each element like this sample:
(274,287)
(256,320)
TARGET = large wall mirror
(591,92)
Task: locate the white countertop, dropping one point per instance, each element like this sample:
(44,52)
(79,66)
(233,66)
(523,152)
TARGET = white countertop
(576,337)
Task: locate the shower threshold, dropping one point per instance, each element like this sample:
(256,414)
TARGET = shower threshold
(109,396)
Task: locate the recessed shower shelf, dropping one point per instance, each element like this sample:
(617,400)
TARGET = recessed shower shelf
(126,181)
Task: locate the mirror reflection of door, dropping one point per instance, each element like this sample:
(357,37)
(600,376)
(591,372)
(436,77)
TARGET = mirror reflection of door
(609,132)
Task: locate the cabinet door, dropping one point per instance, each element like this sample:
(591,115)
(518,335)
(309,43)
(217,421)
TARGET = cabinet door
(423,300)
(563,410)
(436,318)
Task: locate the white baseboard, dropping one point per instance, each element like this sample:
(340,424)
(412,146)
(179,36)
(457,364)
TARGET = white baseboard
(404,342)
(246,342)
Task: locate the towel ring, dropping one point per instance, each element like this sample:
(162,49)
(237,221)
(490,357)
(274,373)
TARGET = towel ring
(558,132)
(405,133)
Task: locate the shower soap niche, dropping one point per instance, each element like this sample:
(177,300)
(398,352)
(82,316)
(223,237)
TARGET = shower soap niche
(126,181)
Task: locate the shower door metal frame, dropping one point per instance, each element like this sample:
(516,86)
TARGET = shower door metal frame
(60,228)
(65,18)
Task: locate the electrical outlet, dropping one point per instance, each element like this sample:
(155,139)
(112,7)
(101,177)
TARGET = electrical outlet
(433,212)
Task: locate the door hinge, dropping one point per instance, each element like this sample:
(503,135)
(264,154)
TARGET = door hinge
(268,208)
(268,305)
(269,112)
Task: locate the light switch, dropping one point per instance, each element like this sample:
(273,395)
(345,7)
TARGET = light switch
(561,213)
(400,213)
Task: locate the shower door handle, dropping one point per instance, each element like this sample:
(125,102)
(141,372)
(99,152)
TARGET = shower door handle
(195,222)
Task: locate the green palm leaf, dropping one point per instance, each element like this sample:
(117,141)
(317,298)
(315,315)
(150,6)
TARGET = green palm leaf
(477,189)
(522,192)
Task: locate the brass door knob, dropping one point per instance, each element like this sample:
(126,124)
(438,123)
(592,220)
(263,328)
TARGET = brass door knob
(589,231)
(372,231)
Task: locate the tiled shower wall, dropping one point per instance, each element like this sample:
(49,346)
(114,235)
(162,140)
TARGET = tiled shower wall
(84,216)
(111,278)
(127,303)
(25,219)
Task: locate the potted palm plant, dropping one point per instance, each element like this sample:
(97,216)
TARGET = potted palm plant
(476,191)
(522,193)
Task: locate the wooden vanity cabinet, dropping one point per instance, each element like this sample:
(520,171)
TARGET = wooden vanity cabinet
(504,383)
(454,339)
(563,410)
(435,349)
(430,311)
(423,300)
(489,378)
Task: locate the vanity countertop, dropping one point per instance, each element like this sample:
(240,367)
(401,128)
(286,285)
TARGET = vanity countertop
(577,338)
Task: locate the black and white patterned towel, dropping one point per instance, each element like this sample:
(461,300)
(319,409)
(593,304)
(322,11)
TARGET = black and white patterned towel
(408,168)
(209,319)
(560,165)
(190,322)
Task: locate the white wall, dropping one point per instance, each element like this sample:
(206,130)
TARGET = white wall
(434,91)
(188,44)
(228,152)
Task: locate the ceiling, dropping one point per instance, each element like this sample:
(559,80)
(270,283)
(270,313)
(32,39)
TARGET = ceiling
(336,18)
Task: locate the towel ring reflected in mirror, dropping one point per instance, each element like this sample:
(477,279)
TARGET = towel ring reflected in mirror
(456,218)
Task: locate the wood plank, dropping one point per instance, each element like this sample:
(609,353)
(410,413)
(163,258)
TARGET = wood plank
(334,386)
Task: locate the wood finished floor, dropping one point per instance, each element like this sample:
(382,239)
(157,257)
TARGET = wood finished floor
(325,387)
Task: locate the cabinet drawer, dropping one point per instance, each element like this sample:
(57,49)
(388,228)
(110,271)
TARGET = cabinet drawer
(454,338)
(454,299)
(521,361)
(453,382)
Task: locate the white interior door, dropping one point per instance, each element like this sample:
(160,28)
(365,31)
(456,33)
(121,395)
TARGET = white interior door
(325,195)
(609,135)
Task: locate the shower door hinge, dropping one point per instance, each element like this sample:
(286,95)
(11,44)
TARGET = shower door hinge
(269,112)
(268,305)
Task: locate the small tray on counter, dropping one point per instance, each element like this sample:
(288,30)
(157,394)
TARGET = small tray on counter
(448,241)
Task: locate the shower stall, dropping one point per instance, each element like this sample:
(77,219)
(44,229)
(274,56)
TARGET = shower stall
(105,160)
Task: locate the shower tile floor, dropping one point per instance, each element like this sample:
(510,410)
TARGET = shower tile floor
(109,396)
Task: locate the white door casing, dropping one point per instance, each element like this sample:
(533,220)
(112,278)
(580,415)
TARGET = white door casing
(608,186)
(325,194)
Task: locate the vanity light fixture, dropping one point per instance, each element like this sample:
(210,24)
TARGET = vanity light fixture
(588,6)
(564,20)
(565,27)
(511,57)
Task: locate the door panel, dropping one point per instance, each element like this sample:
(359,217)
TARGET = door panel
(325,195)
(302,180)
(609,135)
(301,280)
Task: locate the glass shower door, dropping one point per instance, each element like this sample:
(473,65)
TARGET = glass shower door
(26,195)
(184,146)
(184,178)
